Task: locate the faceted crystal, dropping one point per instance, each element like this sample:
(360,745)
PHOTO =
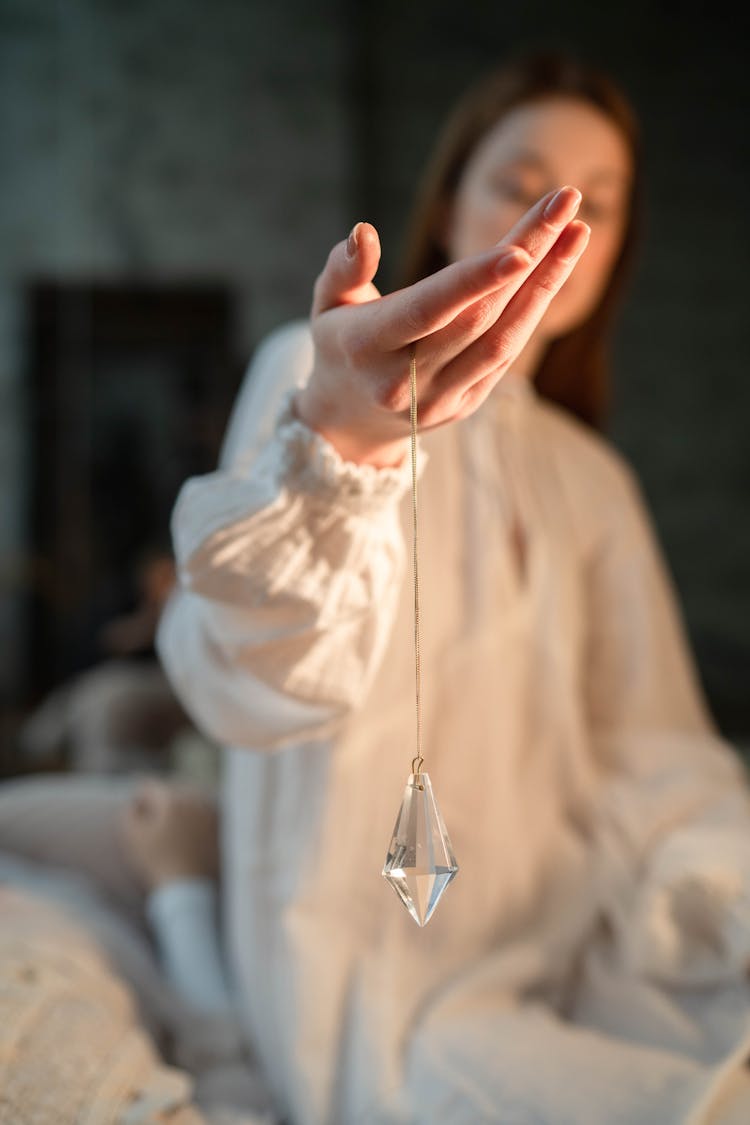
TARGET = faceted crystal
(420,862)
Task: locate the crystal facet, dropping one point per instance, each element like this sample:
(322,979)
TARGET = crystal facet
(420,862)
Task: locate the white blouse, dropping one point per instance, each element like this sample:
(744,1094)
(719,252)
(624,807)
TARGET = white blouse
(589,961)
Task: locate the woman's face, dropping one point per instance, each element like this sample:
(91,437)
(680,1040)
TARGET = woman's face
(536,147)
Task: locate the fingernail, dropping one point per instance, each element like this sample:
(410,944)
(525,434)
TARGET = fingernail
(573,241)
(351,242)
(563,204)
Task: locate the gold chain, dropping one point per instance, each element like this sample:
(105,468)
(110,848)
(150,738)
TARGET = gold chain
(418,670)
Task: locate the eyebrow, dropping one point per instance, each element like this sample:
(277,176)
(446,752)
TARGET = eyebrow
(528,156)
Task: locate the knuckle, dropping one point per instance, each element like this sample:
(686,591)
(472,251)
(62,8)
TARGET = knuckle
(547,283)
(500,348)
(467,408)
(478,391)
(382,394)
(414,319)
(392,395)
(437,407)
(358,350)
(523,251)
(429,414)
(478,315)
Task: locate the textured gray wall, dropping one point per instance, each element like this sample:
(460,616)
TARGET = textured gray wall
(238,141)
(162,140)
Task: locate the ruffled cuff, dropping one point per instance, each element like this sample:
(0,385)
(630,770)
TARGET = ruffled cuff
(691,923)
(311,464)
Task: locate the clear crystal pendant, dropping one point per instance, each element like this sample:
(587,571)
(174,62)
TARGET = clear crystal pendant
(420,862)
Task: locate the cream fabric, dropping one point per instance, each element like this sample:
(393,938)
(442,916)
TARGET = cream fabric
(66,908)
(588,963)
(70,1047)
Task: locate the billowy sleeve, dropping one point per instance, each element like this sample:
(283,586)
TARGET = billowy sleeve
(673,825)
(289,561)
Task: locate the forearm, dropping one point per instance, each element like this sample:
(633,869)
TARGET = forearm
(289,572)
(352,445)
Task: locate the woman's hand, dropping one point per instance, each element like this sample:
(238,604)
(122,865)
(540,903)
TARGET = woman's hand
(170,832)
(470,321)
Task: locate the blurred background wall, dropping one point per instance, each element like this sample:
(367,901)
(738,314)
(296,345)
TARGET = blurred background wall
(173,175)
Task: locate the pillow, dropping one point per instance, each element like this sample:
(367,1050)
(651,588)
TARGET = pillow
(71,1049)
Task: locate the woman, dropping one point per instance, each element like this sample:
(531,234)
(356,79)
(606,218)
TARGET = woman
(601,826)
(588,963)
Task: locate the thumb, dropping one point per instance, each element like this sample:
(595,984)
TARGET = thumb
(346,278)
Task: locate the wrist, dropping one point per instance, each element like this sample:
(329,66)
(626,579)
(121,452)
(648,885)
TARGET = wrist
(384,455)
(380,453)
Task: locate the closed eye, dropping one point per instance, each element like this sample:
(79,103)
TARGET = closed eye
(597,212)
(514,192)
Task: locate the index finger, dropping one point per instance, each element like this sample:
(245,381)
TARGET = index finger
(432,303)
(435,301)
